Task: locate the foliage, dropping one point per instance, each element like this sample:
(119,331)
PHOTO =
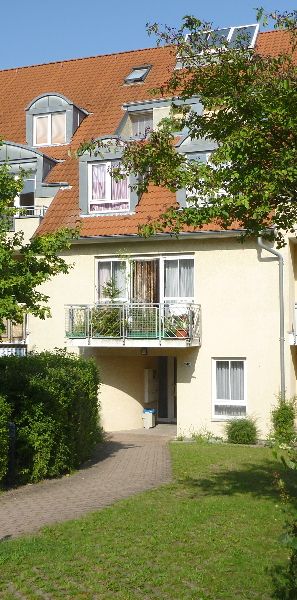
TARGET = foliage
(250,103)
(204,436)
(285,577)
(283,421)
(220,514)
(106,320)
(54,404)
(5,412)
(242,431)
(24,267)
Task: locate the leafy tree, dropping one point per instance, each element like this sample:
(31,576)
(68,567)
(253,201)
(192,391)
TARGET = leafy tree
(250,109)
(24,267)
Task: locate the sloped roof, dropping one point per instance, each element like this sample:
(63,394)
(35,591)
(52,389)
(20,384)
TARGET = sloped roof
(95,84)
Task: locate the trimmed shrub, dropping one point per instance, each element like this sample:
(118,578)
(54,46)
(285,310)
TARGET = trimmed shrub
(54,404)
(283,421)
(242,431)
(5,412)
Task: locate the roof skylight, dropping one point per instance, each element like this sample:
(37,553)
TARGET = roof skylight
(244,36)
(137,74)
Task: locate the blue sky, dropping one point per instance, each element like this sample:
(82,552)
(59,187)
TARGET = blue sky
(40,32)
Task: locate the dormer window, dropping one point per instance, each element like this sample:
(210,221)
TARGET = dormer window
(52,120)
(49,129)
(106,194)
(137,74)
(142,123)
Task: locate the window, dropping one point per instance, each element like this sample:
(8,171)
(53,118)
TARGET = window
(112,271)
(49,129)
(178,279)
(137,74)
(105,193)
(229,388)
(26,199)
(142,123)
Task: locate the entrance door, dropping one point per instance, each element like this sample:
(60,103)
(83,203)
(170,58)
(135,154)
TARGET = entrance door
(167,389)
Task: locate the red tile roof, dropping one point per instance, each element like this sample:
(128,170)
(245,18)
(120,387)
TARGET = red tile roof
(95,84)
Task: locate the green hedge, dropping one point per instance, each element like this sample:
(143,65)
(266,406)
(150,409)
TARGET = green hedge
(54,404)
(5,412)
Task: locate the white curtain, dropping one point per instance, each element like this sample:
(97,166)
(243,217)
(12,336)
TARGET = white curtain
(58,128)
(104,275)
(171,287)
(237,380)
(41,124)
(119,277)
(142,124)
(179,278)
(98,181)
(222,378)
(186,278)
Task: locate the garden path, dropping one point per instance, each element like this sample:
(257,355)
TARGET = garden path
(128,463)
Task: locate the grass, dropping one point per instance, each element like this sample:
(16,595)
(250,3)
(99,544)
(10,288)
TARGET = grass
(211,535)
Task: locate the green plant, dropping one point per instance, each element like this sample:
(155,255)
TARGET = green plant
(283,421)
(242,431)
(5,412)
(175,325)
(54,404)
(212,488)
(106,320)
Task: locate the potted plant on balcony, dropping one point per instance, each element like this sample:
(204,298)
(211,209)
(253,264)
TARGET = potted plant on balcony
(106,319)
(177,326)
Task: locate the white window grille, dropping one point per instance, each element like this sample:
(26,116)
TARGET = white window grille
(229,388)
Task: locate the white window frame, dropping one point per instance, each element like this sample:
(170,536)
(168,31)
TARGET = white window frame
(175,299)
(48,116)
(130,260)
(223,402)
(108,183)
(145,114)
(111,260)
(228,38)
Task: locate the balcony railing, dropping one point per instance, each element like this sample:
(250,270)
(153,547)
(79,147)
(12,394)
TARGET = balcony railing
(13,339)
(30,211)
(126,322)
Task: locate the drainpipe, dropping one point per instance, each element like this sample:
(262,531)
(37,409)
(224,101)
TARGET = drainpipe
(281,313)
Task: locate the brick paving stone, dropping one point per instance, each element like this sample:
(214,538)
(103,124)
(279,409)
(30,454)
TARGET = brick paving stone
(128,463)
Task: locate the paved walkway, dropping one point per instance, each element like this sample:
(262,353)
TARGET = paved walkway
(129,463)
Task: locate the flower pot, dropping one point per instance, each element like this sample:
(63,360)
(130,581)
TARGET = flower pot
(182,333)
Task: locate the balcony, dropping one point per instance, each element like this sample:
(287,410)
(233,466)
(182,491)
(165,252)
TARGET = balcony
(13,339)
(134,325)
(31,211)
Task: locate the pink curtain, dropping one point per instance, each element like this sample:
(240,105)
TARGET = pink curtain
(119,189)
(98,181)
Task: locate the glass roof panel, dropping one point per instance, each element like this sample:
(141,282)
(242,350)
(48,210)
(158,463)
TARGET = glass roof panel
(243,36)
(137,74)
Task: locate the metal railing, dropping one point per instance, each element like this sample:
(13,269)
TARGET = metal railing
(30,211)
(133,321)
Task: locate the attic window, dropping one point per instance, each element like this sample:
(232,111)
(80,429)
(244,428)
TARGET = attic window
(49,129)
(142,123)
(137,74)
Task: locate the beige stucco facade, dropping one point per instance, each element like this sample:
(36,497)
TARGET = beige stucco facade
(236,285)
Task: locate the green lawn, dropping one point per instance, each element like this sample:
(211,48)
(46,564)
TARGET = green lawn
(213,534)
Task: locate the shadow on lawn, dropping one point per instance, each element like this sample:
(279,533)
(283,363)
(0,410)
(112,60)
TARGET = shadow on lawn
(257,480)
